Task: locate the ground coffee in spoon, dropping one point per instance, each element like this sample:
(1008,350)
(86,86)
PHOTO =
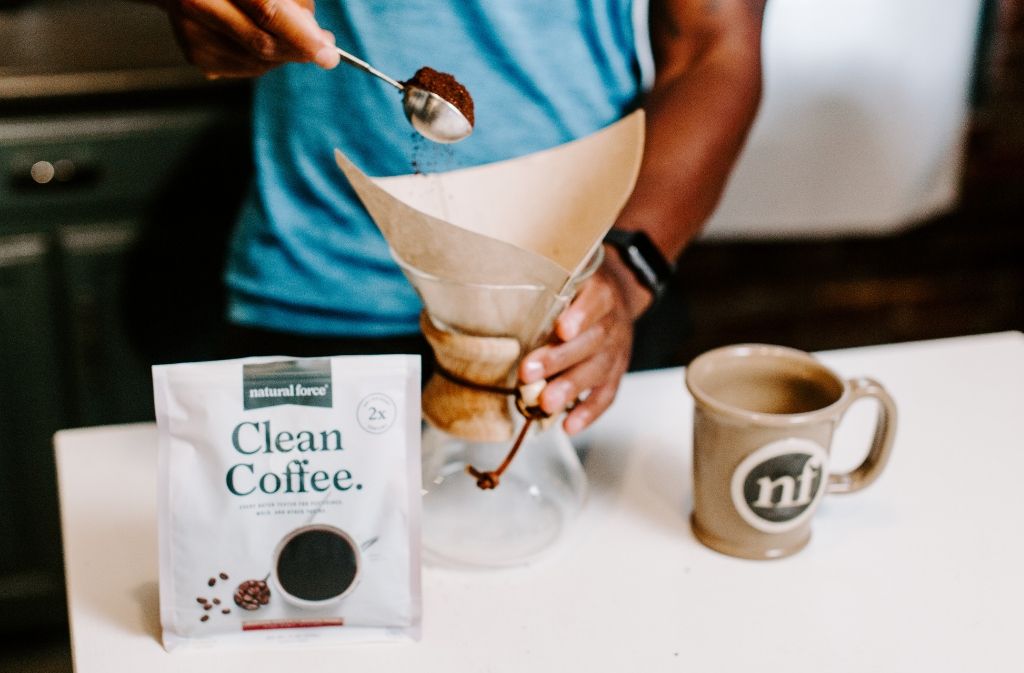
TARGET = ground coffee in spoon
(445,86)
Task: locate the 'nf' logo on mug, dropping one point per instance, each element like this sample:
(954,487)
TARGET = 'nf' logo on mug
(777,487)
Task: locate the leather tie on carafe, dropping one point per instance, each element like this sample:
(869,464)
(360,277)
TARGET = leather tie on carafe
(472,402)
(530,410)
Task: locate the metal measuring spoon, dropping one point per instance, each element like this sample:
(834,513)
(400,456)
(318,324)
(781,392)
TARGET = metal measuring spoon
(431,115)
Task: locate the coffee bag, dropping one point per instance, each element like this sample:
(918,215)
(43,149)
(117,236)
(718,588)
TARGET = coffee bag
(289,498)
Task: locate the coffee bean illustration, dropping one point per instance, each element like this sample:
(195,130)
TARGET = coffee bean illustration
(223,576)
(211,581)
(251,594)
(204,618)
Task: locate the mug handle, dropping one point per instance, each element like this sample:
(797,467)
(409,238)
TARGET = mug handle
(881,445)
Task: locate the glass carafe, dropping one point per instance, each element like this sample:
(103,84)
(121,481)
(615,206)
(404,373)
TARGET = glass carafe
(479,333)
(540,493)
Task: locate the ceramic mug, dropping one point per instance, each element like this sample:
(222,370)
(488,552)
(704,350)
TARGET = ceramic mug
(764,418)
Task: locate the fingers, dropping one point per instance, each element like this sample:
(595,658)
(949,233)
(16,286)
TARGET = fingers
(251,36)
(597,340)
(554,358)
(595,300)
(293,29)
(578,327)
(570,384)
(600,375)
(588,411)
(216,57)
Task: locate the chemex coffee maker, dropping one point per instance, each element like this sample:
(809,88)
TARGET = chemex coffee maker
(496,252)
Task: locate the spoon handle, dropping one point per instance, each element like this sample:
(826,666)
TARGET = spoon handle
(363,65)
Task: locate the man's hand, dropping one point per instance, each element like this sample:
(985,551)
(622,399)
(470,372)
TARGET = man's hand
(594,341)
(245,38)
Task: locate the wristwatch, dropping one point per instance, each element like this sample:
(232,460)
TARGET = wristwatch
(643,258)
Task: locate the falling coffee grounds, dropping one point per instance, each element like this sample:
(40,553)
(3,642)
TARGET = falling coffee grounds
(430,157)
(316,565)
(445,86)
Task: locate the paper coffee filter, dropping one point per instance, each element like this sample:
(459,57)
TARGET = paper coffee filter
(442,249)
(531,222)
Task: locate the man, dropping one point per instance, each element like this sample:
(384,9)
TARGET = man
(306,260)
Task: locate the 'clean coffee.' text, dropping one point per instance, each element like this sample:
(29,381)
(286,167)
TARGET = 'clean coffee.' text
(251,438)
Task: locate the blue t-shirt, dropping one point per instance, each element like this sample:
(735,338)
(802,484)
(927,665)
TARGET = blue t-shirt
(305,256)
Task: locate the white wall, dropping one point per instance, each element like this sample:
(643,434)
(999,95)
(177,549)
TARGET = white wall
(863,121)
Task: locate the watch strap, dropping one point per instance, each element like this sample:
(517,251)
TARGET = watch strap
(642,258)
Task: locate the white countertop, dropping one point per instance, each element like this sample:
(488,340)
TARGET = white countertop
(923,571)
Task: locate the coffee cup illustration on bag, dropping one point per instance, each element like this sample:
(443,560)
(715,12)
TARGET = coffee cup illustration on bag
(317,565)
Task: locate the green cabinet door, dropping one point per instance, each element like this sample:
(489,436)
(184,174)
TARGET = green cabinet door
(110,380)
(31,408)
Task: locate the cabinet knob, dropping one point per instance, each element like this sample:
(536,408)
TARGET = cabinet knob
(62,172)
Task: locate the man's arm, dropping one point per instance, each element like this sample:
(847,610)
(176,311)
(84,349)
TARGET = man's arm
(706,92)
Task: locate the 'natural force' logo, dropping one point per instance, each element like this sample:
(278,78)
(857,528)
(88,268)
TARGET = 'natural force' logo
(777,487)
(303,382)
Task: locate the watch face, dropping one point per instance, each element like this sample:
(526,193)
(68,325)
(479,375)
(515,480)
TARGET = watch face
(643,258)
(641,267)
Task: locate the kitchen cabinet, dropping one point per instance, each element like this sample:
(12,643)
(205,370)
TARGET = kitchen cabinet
(109,378)
(120,172)
(113,224)
(32,405)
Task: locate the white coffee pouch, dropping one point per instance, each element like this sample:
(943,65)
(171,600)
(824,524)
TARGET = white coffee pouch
(289,499)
